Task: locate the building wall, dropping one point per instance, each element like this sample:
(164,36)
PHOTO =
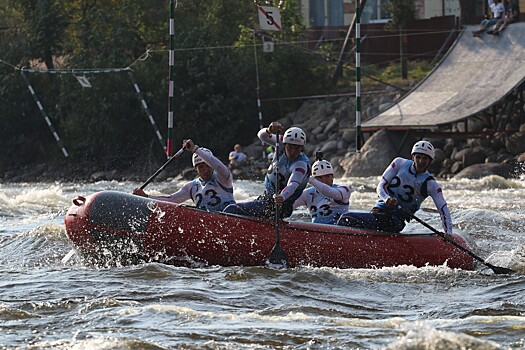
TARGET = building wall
(348,11)
(437,8)
(425,9)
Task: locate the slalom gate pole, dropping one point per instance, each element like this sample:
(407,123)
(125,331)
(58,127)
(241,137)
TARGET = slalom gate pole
(358,76)
(257,91)
(146,109)
(171,99)
(44,114)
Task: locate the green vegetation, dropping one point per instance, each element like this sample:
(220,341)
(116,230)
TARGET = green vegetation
(214,72)
(215,76)
(392,74)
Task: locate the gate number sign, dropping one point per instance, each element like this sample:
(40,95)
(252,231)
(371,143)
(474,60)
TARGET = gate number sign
(269,18)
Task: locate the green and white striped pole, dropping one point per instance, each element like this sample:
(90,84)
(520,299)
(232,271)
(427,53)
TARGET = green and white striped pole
(44,114)
(171,102)
(358,76)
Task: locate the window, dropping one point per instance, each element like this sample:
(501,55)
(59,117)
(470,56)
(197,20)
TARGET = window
(326,13)
(373,12)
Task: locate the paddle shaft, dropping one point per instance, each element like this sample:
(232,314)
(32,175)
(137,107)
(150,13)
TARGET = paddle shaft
(496,269)
(277,255)
(277,189)
(176,155)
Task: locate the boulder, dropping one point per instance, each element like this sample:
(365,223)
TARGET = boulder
(515,143)
(383,107)
(342,145)
(497,140)
(330,126)
(456,167)
(439,157)
(329,147)
(375,155)
(371,111)
(317,130)
(321,137)
(349,136)
(469,156)
(478,171)
(448,147)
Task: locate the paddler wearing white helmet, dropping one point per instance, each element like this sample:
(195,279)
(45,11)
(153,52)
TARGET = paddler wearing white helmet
(286,177)
(212,190)
(325,201)
(403,187)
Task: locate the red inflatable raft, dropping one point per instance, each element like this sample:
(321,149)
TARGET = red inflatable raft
(115,227)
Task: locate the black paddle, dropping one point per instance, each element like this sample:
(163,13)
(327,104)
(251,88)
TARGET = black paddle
(277,256)
(176,155)
(497,270)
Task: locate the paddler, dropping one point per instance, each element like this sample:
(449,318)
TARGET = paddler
(403,187)
(293,172)
(325,200)
(212,190)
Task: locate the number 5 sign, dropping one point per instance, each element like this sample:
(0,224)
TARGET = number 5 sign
(269,18)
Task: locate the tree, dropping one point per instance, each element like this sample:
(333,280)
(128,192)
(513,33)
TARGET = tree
(402,11)
(214,72)
(46,23)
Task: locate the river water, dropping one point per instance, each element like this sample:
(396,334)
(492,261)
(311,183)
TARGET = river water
(48,304)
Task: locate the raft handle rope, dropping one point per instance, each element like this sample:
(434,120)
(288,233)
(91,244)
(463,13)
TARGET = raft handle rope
(79,201)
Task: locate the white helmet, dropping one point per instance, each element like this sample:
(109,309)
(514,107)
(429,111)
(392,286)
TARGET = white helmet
(322,167)
(294,136)
(424,147)
(196,159)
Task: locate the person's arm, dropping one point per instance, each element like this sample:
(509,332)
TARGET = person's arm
(387,177)
(267,135)
(299,174)
(223,174)
(182,195)
(340,193)
(434,190)
(301,201)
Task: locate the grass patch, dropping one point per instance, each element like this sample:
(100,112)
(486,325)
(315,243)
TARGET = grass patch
(391,74)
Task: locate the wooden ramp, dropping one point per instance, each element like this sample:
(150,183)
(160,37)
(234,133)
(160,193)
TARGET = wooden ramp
(475,74)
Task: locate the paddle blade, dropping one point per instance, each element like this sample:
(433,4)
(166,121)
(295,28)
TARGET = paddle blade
(498,270)
(68,256)
(277,258)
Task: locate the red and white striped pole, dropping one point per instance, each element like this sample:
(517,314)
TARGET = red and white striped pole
(259,107)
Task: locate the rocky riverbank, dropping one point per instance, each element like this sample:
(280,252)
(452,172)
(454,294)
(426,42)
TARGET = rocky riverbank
(330,128)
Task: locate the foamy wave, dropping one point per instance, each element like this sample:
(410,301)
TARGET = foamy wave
(21,200)
(486,183)
(100,343)
(420,335)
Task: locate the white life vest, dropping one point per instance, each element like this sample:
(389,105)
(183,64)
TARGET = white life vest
(211,195)
(323,209)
